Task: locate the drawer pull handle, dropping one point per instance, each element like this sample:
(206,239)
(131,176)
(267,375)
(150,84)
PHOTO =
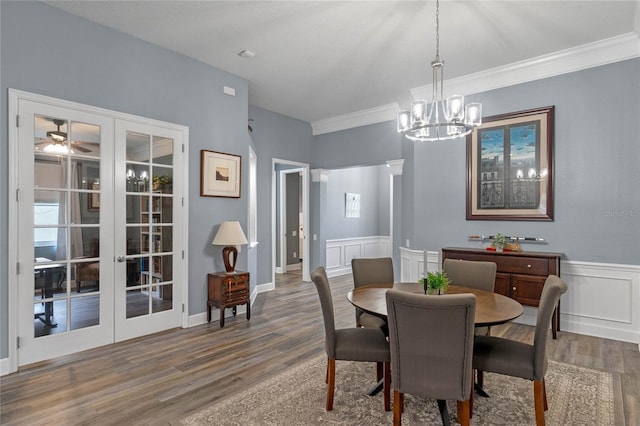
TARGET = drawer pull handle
(529,266)
(514,289)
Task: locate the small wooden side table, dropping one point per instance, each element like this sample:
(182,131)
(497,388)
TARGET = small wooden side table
(227,291)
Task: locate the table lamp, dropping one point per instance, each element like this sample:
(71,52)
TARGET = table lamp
(230,235)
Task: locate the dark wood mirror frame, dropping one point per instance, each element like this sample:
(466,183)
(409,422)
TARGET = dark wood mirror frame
(518,189)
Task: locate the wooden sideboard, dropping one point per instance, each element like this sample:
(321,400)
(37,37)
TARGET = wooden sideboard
(227,291)
(520,275)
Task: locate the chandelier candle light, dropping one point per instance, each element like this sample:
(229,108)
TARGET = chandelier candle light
(422,123)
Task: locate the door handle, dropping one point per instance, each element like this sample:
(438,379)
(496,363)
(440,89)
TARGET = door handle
(120,258)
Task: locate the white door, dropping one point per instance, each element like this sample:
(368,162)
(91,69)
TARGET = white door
(65,231)
(148,235)
(99,228)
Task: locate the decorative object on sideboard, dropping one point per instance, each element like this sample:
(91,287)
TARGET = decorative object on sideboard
(512,244)
(446,118)
(499,242)
(230,235)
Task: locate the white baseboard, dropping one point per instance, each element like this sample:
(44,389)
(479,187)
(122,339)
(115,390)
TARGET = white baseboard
(603,300)
(4,367)
(340,252)
(262,288)
(294,267)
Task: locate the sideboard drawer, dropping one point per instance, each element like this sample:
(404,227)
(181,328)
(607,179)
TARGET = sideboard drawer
(527,265)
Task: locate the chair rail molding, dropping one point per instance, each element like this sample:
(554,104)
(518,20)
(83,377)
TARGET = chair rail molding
(340,252)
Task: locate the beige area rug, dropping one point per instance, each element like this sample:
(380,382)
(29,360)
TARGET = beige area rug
(576,396)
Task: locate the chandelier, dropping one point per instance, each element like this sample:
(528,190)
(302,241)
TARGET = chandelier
(443,119)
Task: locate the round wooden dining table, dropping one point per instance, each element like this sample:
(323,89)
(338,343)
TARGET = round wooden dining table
(491,308)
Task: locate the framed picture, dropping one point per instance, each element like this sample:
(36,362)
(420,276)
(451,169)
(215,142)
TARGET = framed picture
(220,174)
(94,198)
(510,167)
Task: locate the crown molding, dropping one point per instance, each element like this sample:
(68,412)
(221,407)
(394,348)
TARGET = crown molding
(589,55)
(320,175)
(607,51)
(395,166)
(356,119)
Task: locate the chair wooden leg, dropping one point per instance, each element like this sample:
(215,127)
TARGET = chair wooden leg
(538,401)
(464,413)
(379,370)
(398,407)
(331,371)
(326,374)
(387,386)
(544,393)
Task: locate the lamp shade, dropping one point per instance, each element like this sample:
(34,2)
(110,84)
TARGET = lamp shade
(230,233)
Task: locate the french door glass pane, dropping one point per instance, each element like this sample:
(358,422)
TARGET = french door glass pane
(149,215)
(66,200)
(85,311)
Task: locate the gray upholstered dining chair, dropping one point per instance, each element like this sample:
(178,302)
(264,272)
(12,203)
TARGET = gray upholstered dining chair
(474,274)
(349,344)
(368,271)
(470,273)
(431,339)
(513,358)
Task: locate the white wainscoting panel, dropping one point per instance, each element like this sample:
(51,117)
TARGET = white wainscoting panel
(603,300)
(334,257)
(412,264)
(340,252)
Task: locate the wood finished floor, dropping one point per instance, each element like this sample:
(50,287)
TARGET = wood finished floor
(164,377)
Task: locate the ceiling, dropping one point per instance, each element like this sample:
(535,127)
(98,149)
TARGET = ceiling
(320,59)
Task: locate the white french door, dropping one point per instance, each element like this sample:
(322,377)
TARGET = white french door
(63,228)
(147,228)
(99,241)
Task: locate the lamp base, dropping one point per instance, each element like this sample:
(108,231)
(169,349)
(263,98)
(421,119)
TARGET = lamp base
(229,263)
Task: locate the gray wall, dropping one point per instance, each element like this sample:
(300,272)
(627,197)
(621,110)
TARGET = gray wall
(372,183)
(361,146)
(87,63)
(281,137)
(597,148)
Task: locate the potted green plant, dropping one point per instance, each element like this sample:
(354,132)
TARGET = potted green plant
(161,182)
(436,282)
(499,242)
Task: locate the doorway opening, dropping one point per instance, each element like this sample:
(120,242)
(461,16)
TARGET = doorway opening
(290,212)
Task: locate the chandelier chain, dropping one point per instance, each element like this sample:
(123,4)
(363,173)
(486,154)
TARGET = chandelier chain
(437,30)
